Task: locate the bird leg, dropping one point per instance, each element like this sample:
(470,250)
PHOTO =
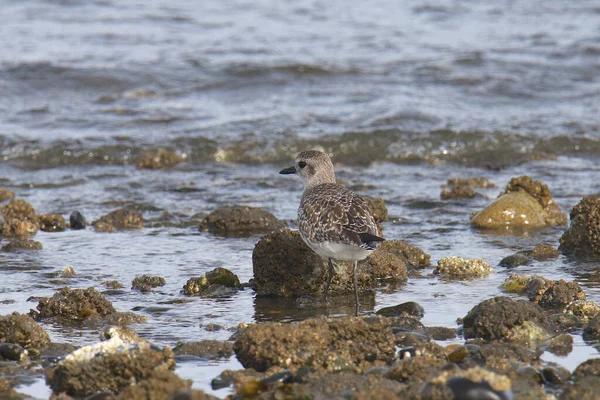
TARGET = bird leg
(355,285)
(326,292)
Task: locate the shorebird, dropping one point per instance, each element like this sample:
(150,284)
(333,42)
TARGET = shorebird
(334,222)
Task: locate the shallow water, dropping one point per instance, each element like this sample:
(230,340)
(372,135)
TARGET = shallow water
(404,97)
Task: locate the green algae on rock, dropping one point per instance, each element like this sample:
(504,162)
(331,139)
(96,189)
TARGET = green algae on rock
(452,268)
(525,204)
(582,239)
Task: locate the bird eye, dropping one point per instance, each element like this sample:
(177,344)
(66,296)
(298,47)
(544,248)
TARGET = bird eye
(302,164)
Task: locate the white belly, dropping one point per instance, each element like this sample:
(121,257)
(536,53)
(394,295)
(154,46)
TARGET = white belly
(337,251)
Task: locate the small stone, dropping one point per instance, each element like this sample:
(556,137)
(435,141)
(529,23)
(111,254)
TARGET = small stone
(12,352)
(459,268)
(6,194)
(77,220)
(410,308)
(216,283)
(514,260)
(112,284)
(51,222)
(458,354)
(67,272)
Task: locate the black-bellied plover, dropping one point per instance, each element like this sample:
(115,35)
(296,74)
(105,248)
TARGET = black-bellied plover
(333,221)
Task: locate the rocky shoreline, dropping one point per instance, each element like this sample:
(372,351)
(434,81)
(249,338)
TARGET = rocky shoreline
(387,354)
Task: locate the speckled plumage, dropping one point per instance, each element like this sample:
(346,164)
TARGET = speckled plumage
(333,221)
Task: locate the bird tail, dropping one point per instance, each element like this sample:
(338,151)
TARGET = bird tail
(370,241)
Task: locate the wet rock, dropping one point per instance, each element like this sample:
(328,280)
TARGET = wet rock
(502,318)
(103,227)
(145,283)
(583,310)
(74,304)
(317,343)
(209,349)
(406,323)
(12,352)
(410,308)
(554,294)
(385,267)
(51,222)
(592,330)
(216,283)
(378,208)
(464,188)
(458,268)
(113,284)
(587,368)
(556,375)
(440,332)
(525,204)
(560,345)
(240,221)
(124,218)
(18,220)
(414,256)
(582,239)
(77,220)
(6,194)
(22,330)
(545,252)
(582,389)
(159,159)
(67,272)
(470,384)
(415,369)
(118,318)
(21,244)
(514,260)
(111,365)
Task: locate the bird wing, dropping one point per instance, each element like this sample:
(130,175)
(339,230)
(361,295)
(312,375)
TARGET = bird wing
(333,213)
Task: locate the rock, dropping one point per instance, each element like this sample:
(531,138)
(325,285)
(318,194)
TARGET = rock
(414,256)
(560,345)
(6,194)
(125,334)
(378,208)
(470,384)
(516,283)
(67,272)
(161,384)
(415,369)
(113,284)
(77,220)
(583,310)
(582,389)
(145,283)
(384,267)
(111,365)
(103,227)
(209,349)
(21,244)
(554,294)
(459,268)
(525,204)
(514,260)
(216,283)
(582,239)
(159,159)
(22,330)
(51,222)
(587,368)
(18,220)
(239,221)
(545,252)
(124,218)
(410,308)
(502,318)
(316,343)
(440,332)
(464,188)
(592,330)
(74,304)
(12,352)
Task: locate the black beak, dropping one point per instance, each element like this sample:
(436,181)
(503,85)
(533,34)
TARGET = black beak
(289,170)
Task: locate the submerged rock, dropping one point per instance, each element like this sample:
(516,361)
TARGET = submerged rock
(159,159)
(316,343)
(145,283)
(457,188)
(502,318)
(112,365)
(525,204)
(216,283)
(209,349)
(21,329)
(77,220)
(21,244)
(240,221)
(458,268)
(51,222)
(582,239)
(74,304)
(124,218)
